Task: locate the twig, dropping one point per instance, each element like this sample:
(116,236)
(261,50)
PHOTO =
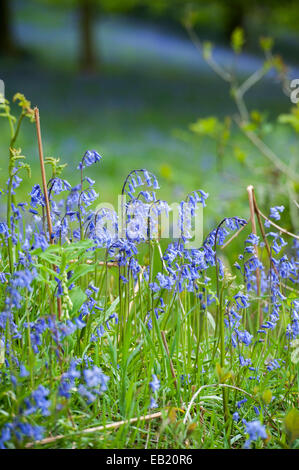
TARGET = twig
(258,214)
(110,264)
(42,166)
(214,66)
(234,236)
(250,191)
(49,440)
(268,153)
(252,80)
(48,211)
(283,230)
(257,211)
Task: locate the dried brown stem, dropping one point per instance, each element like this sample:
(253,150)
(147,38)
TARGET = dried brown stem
(44,180)
(258,214)
(234,236)
(250,191)
(112,264)
(42,166)
(49,440)
(283,230)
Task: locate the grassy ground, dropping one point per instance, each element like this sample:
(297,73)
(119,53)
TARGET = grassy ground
(136,110)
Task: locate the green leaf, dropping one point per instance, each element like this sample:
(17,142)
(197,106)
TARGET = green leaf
(237,40)
(207,49)
(266,43)
(80,271)
(112,307)
(240,154)
(291,423)
(292,118)
(77,297)
(208,126)
(267,396)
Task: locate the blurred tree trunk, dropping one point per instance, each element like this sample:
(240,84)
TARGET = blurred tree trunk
(7,42)
(87,43)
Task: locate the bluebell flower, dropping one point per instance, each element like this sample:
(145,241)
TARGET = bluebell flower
(86,393)
(67,381)
(292,330)
(21,430)
(90,157)
(38,401)
(94,377)
(57,185)
(275,212)
(37,197)
(257,410)
(244,362)
(23,371)
(3,278)
(274,364)
(185,379)
(153,403)
(255,430)
(4,229)
(155,383)
(252,239)
(241,402)
(241,300)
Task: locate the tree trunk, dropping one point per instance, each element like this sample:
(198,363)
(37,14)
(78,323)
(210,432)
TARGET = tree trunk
(7,43)
(87,44)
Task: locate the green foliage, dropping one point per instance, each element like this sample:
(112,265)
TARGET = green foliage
(238,40)
(56,168)
(291,118)
(291,422)
(267,397)
(266,44)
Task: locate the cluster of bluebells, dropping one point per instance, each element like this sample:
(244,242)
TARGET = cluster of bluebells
(254,429)
(183,269)
(89,382)
(20,431)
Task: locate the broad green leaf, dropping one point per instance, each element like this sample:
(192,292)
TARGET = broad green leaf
(267,396)
(77,297)
(80,271)
(291,422)
(112,307)
(208,126)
